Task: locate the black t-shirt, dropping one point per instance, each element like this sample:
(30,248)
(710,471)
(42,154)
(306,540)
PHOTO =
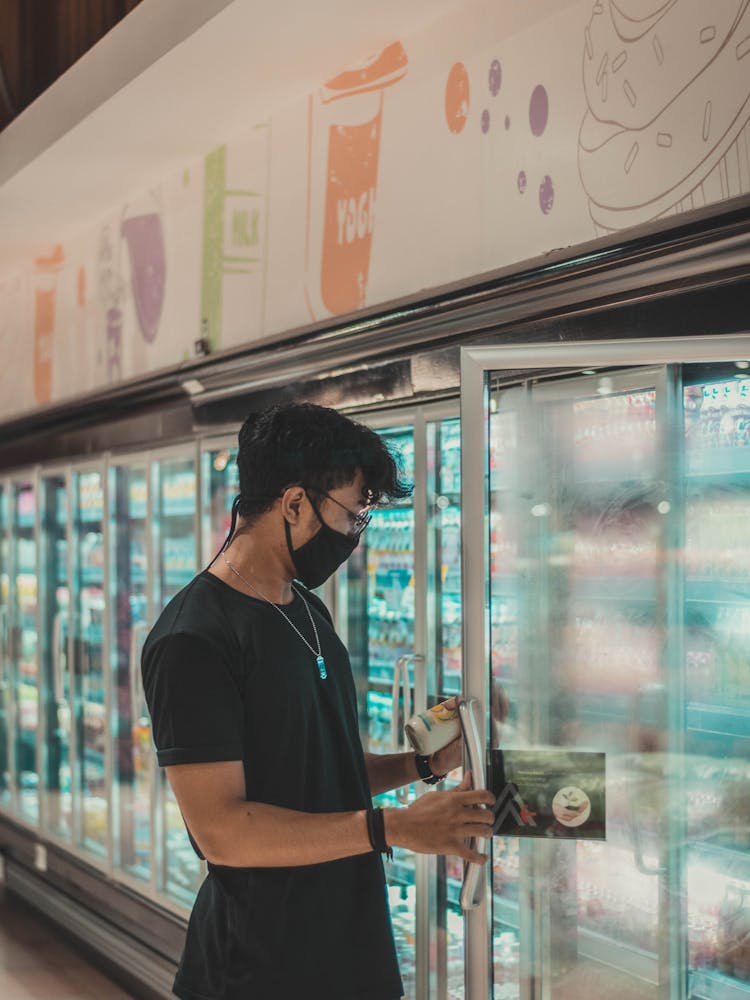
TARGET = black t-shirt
(226,678)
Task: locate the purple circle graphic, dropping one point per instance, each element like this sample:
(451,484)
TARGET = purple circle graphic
(538,110)
(485,121)
(507,122)
(522,181)
(496,77)
(546,195)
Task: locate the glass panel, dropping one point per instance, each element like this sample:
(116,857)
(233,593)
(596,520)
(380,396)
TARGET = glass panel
(133,757)
(220,480)
(174,489)
(54,621)
(717,672)
(378,580)
(88,663)
(577,610)
(23,642)
(5,692)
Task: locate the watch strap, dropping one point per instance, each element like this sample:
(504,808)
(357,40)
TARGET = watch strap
(425,772)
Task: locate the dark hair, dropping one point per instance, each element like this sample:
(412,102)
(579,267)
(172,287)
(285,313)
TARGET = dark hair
(314,446)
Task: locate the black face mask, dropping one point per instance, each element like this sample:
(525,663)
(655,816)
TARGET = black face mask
(322,555)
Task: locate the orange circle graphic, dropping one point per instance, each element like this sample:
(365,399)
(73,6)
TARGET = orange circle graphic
(457,98)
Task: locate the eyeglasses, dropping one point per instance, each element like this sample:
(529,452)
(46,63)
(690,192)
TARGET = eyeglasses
(359,521)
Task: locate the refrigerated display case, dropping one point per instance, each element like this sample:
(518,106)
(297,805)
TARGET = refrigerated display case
(608,512)
(54,632)
(6,694)
(220,484)
(174,528)
(90,687)
(23,662)
(129,622)
(380,609)
(399,612)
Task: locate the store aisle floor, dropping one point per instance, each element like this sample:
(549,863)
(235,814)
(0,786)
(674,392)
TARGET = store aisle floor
(37,963)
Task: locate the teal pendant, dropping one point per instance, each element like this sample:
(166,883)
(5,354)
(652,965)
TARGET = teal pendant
(322,667)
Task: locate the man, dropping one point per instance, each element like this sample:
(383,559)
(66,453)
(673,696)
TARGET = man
(254,717)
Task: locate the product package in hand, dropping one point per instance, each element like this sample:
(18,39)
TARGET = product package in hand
(434,729)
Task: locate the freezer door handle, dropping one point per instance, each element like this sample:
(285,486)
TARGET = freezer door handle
(4,651)
(472,889)
(649,710)
(136,682)
(57,655)
(400,743)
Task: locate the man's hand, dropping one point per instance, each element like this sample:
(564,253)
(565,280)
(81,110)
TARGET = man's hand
(441,823)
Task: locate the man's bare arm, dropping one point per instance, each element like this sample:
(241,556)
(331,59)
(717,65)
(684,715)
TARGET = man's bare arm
(390,770)
(234,832)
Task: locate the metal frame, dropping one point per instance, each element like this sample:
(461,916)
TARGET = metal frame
(45,474)
(476,364)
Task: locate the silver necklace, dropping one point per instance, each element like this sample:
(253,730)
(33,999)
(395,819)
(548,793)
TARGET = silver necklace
(317,653)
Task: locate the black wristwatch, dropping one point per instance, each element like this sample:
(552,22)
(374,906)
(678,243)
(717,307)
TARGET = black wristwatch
(425,772)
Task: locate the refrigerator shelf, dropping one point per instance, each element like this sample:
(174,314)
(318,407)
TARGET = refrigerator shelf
(622,589)
(727,462)
(717,720)
(709,590)
(710,984)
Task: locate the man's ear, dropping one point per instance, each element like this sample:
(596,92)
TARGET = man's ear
(291,503)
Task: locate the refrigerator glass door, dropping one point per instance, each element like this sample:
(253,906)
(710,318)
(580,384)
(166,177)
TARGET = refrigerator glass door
(578,613)
(132,760)
(89,674)
(5,675)
(716,434)
(175,498)
(54,631)
(24,652)
(376,602)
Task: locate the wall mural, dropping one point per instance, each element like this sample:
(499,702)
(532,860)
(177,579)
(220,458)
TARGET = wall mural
(235,228)
(668,92)
(47,268)
(345,123)
(488,139)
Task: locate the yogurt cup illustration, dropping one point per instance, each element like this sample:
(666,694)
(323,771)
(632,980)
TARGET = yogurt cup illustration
(46,271)
(667,128)
(345,124)
(144,238)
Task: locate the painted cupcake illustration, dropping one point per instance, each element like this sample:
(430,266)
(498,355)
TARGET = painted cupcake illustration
(667,127)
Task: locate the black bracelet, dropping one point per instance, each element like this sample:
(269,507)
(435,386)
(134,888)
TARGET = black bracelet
(425,772)
(376,833)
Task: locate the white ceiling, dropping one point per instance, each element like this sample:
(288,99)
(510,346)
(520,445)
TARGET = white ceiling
(169,82)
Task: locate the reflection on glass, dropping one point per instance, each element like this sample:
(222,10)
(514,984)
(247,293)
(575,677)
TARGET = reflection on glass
(132,760)
(174,491)
(54,622)
(88,662)
(23,642)
(5,689)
